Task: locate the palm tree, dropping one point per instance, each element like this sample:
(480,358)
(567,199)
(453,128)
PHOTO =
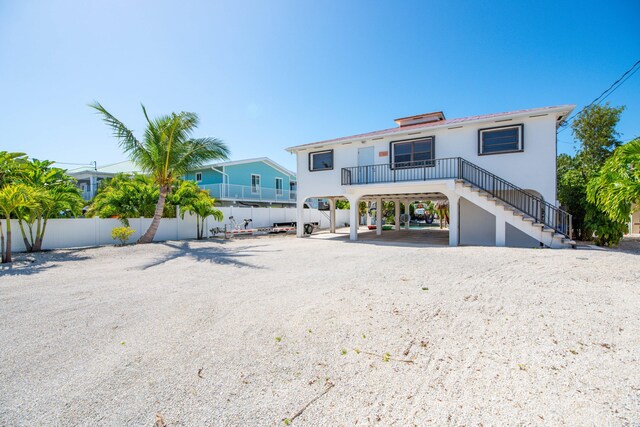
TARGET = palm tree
(12,198)
(55,193)
(616,189)
(198,202)
(166,152)
(202,208)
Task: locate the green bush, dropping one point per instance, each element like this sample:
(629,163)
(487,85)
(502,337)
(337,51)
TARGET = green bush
(606,232)
(122,234)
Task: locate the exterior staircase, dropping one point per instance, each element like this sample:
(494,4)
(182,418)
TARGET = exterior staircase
(523,210)
(513,216)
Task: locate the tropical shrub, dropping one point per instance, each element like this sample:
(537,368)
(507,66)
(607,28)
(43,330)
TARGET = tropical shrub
(127,196)
(616,189)
(122,234)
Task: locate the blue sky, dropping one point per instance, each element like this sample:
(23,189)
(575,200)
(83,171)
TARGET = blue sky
(265,75)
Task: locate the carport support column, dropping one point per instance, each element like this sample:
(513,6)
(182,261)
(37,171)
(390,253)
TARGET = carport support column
(332,215)
(454,220)
(354,217)
(501,229)
(407,214)
(379,216)
(300,218)
(396,218)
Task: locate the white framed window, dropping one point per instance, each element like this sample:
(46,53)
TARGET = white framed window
(198,176)
(502,139)
(321,161)
(279,186)
(255,184)
(413,152)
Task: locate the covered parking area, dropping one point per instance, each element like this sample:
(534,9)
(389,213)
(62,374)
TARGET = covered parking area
(427,236)
(400,228)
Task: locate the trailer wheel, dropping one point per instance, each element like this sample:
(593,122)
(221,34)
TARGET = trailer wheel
(308,228)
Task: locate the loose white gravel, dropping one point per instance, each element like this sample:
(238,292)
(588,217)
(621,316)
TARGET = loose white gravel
(248,332)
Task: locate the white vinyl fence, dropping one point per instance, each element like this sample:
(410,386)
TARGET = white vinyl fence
(78,232)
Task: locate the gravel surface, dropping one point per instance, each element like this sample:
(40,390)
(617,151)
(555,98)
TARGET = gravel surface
(254,331)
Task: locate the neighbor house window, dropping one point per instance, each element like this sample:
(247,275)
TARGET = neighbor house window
(504,139)
(321,160)
(198,176)
(292,190)
(255,184)
(410,153)
(279,186)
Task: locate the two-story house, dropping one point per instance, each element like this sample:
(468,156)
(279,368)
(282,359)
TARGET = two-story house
(258,182)
(89,178)
(497,171)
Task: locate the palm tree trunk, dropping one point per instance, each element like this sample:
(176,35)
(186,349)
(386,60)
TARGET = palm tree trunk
(1,243)
(37,247)
(148,236)
(27,243)
(197,227)
(7,253)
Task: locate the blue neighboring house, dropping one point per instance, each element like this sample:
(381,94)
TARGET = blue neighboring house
(254,182)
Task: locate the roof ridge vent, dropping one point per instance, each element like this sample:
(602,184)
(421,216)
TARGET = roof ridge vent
(436,116)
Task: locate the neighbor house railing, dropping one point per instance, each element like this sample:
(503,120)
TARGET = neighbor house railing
(249,193)
(459,168)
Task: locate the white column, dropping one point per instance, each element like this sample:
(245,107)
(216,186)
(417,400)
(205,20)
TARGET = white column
(332,215)
(501,229)
(379,216)
(454,219)
(407,214)
(396,219)
(368,215)
(353,218)
(300,218)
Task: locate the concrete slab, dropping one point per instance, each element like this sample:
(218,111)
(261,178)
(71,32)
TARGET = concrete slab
(428,236)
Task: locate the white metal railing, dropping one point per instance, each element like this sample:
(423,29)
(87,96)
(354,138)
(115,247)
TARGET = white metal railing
(249,193)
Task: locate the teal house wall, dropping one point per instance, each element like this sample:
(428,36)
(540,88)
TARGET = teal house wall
(240,174)
(209,176)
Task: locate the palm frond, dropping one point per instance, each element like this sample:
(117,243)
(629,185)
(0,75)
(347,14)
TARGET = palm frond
(137,152)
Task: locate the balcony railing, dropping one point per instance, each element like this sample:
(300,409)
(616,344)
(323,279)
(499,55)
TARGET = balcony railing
(249,194)
(458,168)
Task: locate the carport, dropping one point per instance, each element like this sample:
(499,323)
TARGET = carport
(405,233)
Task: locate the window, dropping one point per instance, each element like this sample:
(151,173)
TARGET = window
(278,186)
(198,176)
(255,184)
(321,160)
(504,139)
(411,153)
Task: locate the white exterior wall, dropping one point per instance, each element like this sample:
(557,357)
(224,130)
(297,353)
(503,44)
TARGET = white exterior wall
(517,239)
(477,226)
(79,232)
(532,169)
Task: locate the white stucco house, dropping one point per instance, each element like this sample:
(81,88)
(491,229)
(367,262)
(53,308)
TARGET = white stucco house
(498,172)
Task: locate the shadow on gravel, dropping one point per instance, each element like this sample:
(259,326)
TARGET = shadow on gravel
(215,255)
(25,264)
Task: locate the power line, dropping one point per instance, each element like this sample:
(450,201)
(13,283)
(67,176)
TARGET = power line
(615,85)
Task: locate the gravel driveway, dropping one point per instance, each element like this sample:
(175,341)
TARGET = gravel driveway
(261,331)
